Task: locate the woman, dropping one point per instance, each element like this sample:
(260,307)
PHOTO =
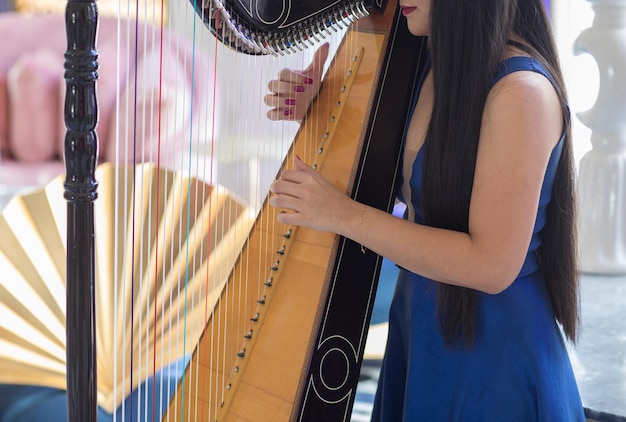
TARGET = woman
(487,250)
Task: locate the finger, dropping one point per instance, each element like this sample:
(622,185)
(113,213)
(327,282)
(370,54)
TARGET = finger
(283,201)
(280,186)
(279,101)
(293,177)
(319,59)
(294,77)
(281,114)
(302,166)
(289,218)
(285,88)
(271,100)
(286,202)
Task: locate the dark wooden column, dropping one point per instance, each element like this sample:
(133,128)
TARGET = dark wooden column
(81,146)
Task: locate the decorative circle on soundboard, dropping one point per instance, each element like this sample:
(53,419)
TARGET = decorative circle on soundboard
(333,379)
(337,360)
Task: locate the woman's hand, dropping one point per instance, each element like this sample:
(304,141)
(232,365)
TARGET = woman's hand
(294,90)
(310,200)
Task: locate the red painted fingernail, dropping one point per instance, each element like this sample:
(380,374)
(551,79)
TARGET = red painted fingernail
(299,88)
(308,81)
(288,112)
(290,101)
(298,157)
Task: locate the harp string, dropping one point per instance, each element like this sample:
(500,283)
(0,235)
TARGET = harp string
(211,127)
(210,229)
(157,203)
(120,180)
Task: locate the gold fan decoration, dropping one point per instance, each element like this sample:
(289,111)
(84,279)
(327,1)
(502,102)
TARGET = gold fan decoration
(165,246)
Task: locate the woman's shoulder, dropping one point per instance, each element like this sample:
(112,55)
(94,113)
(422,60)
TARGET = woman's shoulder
(526,81)
(523,107)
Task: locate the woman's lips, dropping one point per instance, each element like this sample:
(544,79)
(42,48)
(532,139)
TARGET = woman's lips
(407,10)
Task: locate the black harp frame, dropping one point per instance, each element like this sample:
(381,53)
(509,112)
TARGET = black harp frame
(81,150)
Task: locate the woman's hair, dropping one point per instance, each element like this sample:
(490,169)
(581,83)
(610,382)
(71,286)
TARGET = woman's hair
(467,42)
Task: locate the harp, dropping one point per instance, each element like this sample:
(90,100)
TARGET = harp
(288,345)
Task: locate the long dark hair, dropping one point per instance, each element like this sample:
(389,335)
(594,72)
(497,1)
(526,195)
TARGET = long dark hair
(468,39)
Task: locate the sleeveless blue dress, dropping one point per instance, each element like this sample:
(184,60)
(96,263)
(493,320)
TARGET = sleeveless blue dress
(518,368)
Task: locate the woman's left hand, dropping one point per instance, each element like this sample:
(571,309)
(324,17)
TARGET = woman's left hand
(294,90)
(310,200)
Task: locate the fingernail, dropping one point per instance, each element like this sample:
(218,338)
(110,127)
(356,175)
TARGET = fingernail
(299,88)
(298,157)
(288,112)
(308,81)
(290,101)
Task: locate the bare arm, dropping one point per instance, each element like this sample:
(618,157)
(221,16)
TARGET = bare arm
(521,124)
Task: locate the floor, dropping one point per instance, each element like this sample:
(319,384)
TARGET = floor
(599,359)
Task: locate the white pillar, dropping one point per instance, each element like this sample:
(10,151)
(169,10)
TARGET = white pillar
(602,171)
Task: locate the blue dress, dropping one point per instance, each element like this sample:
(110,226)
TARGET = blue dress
(518,368)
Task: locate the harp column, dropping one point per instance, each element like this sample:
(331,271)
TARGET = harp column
(602,173)
(81,146)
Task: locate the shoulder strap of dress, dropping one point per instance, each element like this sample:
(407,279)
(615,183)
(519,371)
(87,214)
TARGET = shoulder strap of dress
(517,63)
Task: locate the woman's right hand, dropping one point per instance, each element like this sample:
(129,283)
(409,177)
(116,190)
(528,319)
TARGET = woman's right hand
(294,90)
(308,199)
